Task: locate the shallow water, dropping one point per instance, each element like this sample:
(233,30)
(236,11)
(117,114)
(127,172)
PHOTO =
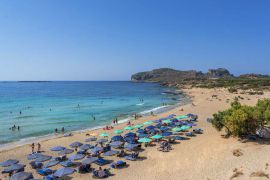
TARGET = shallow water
(45,106)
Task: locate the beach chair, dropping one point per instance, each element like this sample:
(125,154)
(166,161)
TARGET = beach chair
(119,164)
(102,162)
(44,171)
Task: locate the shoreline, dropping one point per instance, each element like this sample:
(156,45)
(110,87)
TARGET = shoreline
(144,114)
(206,156)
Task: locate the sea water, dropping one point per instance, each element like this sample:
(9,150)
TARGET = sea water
(41,107)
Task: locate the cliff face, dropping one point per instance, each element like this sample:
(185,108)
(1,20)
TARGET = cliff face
(171,75)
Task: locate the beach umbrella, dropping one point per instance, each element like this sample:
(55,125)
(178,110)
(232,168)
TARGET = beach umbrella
(181,117)
(191,124)
(14,167)
(9,162)
(95,150)
(57,148)
(76,157)
(138,126)
(117,138)
(116,143)
(142,135)
(91,139)
(86,147)
(75,144)
(111,153)
(90,160)
(148,123)
(157,136)
(104,135)
(102,141)
(22,176)
(66,151)
(178,138)
(51,163)
(67,163)
(33,156)
(165,134)
(43,158)
(156,121)
(153,131)
(150,127)
(176,129)
(131,147)
(167,121)
(129,139)
(144,140)
(118,131)
(130,134)
(140,131)
(129,128)
(164,128)
(64,172)
(184,128)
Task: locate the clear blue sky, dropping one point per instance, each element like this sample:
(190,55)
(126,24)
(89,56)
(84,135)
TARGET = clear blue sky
(111,39)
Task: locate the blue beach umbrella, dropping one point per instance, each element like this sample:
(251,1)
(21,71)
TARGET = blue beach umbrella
(33,156)
(14,167)
(164,128)
(22,176)
(76,157)
(86,147)
(116,143)
(75,144)
(140,131)
(57,148)
(51,163)
(90,160)
(66,151)
(130,134)
(165,134)
(117,138)
(150,127)
(141,135)
(64,172)
(9,162)
(102,141)
(131,147)
(43,158)
(111,153)
(96,150)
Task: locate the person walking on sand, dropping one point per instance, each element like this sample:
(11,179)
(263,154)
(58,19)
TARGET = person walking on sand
(33,147)
(39,147)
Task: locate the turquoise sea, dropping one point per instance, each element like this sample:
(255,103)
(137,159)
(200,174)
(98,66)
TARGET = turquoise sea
(40,107)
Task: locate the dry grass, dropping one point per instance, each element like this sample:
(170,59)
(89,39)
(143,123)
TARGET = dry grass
(236,173)
(259,174)
(237,152)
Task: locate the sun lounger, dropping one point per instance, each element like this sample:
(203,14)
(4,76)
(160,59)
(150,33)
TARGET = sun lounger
(102,162)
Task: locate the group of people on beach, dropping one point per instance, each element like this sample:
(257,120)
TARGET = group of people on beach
(62,130)
(115,121)
(38,147)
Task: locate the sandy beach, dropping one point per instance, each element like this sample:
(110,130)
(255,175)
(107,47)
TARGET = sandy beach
(208,156)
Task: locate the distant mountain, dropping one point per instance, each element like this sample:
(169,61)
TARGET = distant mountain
(172,75)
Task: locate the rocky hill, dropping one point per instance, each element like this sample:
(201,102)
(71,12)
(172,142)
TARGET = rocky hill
(172,75)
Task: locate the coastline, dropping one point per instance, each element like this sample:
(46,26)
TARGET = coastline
(206,156)
(157,110)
